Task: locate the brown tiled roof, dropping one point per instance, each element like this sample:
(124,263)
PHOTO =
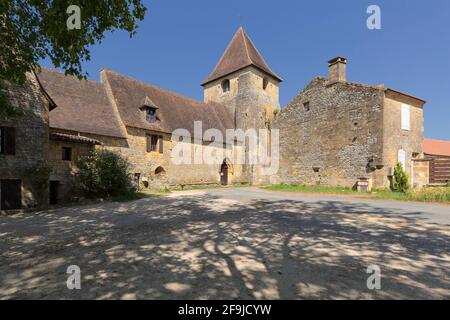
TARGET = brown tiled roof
(436,147)
(83,105)
(57,136)
(174,111)
(240,53)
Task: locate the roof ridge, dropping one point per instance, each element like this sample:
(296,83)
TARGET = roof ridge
(155,87)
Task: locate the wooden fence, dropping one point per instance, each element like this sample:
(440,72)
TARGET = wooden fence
(439,171)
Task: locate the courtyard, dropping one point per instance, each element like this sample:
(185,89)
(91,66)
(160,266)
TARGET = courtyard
(232,243)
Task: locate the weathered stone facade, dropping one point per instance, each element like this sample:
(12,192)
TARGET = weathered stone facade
(338,133)
(334,132)
(31,132)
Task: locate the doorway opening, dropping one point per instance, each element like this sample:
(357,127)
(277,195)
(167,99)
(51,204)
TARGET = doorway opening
(54,192)
(11,194)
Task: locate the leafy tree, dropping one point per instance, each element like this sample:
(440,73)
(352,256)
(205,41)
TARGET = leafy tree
(400,180)
(31,30)
(103,174)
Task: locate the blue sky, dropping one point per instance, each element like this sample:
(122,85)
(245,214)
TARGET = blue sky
(179,43)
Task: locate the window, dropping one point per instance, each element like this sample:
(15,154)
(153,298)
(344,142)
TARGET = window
(160,171)
(152,143)
(7,141)
(406,110)
(67,154)
(150,114)
(306,106)
(265,83)
(225,86)
(402,158)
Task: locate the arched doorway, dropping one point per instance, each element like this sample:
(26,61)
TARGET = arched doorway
(224,173)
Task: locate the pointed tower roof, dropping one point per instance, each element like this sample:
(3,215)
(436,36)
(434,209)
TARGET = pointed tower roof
(240,53)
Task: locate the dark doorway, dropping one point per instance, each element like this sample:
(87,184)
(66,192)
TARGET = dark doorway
(224,174)
(11,194)
(54,194)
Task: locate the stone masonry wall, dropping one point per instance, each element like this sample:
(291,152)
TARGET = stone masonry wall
(331,134)
(32,138)
(395,138)
(64,171)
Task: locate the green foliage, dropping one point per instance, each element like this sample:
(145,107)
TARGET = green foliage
(103,174)
(40,180)
(400,180)
(34,30)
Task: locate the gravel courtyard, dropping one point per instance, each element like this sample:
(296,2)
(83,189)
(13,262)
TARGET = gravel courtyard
(243,243)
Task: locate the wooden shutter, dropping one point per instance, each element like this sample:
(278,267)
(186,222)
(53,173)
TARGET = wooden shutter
(10,140)
(406,117)
(161,144)
(149,143)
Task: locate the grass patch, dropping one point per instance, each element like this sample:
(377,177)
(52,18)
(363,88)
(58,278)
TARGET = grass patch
(431,194)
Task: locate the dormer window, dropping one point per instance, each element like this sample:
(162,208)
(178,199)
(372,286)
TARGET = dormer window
(225,86)
(150,114)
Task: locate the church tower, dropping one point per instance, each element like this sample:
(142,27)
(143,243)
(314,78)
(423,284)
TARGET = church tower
(244,83)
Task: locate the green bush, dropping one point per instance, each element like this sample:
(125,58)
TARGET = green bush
(103,174)
(400,180)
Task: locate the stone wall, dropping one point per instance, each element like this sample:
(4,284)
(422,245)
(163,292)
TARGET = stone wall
(395,138)
(252,106)
(32,139)
(331,134)
(421,173)
(63,171)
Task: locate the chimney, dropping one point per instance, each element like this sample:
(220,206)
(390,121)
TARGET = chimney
(336,69)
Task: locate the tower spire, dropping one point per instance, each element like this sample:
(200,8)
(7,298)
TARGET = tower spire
(240,53)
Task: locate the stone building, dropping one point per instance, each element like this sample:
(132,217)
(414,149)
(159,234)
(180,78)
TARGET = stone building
(341,133)
(24,146)
(335,132)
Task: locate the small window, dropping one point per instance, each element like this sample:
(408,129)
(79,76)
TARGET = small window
(7,141)
(306,106)
(150,114)
(225,86)
(265,83)
(406,117)
(2,140)
(67,154)
(152,143)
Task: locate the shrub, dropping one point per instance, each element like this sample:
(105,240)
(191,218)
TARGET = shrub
(400,180)
(103,174)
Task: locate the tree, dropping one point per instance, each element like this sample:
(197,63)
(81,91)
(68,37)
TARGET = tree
(103,174)
(400,180)
(36,29)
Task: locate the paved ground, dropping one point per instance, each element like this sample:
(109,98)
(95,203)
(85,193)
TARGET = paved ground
(241,243)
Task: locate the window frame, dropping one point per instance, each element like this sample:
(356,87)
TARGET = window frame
(405,117)
(226,86)
(2,140)
(151,118)
(8,141)
(152,143)
(66,156)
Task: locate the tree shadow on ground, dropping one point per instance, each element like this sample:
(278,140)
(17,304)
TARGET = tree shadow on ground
(206,247)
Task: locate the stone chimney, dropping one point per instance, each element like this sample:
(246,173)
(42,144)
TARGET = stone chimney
(337,69)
